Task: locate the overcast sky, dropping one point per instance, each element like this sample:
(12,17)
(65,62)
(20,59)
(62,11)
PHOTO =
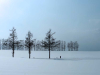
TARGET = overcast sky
(72,20)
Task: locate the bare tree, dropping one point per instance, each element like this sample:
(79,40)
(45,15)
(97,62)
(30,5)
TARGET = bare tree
(29,42)
(5,44)
(59,45)
(71,45)
(64,45)
(76,46)
(38,45)
(12,40)
(34,44)
(68,45)
(49,42)
(42,48)
(20,45)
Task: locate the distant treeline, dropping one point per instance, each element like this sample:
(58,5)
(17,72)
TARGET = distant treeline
(20,45)
(72,46)
(5,44)
(48,44)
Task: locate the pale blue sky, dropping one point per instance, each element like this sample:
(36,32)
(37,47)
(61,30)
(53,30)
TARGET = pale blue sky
(72,20)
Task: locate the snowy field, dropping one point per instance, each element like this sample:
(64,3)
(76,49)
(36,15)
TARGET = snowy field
(71,63)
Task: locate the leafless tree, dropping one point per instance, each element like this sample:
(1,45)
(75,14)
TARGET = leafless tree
(37,46)
(49,42)
(71,45)
(59,45)
(64,45)
(20,45)
(17,44)
(29,42)
(42,48)
(76,46)
(34,44)
(5,44)
(12,40)
(68,45)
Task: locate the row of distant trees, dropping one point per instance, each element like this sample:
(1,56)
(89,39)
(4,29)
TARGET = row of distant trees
(49,43)
(20,45)
(73,46)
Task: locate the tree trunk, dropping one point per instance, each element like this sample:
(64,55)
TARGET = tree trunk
(29,55)
(13,44)
(49,52)
(13,53)
(29,52)
(49,47)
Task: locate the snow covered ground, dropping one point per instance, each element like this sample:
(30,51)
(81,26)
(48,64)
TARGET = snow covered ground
(71,63)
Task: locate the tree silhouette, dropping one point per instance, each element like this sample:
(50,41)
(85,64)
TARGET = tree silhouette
(64,45)
(5,44)
(49,42)
(76,46)
(59,45)
(29,42)
(68,45)
(20,45)
(71,45)
(34,44)
(12,40)
(17,45)
(38,45)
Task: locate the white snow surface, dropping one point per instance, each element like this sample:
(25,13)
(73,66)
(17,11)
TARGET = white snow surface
(71,63)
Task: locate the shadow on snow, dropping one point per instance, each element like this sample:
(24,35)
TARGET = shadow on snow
(71,59)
